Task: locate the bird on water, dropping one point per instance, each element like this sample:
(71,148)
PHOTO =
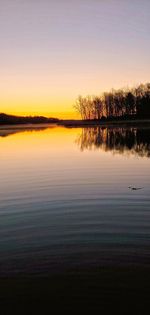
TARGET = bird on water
(135,188)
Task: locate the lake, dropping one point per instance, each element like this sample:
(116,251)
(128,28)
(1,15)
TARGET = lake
(73,199)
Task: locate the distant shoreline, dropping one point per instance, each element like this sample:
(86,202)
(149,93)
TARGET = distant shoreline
(77,124)
(34,122)
(26,126)
(107,123)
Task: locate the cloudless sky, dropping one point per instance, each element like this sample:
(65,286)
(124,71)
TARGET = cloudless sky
(52,51)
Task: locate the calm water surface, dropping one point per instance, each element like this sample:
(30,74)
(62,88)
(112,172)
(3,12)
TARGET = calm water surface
(65,201)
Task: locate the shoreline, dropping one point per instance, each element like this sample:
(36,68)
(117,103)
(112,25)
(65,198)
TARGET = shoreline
(78,124)
(109,123)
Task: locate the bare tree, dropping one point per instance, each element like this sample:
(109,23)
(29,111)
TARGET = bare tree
(116,103)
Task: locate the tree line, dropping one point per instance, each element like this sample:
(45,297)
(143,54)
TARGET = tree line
(122,103)
(11,119)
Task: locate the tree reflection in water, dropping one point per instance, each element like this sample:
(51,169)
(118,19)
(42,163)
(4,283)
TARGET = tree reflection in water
(118,140)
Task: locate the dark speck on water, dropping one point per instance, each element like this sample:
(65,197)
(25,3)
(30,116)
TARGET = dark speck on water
(135,188)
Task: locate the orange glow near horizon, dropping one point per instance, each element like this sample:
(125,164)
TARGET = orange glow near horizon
(27,101)
(59,115)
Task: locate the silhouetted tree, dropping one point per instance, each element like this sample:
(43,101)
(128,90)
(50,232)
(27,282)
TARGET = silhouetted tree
(123,103)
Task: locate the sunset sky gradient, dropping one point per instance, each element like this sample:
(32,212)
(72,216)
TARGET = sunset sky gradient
(52,51)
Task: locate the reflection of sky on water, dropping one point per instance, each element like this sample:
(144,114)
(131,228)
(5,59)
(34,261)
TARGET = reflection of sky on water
(57,201)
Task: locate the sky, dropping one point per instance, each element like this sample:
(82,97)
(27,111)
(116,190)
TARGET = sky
(53,51)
